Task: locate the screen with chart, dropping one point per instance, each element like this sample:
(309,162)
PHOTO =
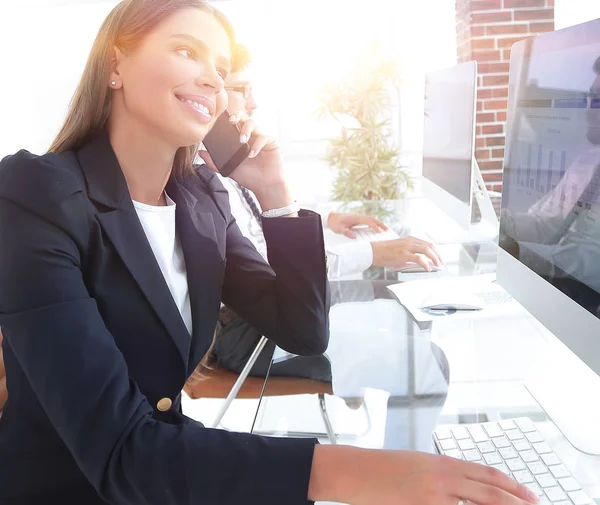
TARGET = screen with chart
(551,196)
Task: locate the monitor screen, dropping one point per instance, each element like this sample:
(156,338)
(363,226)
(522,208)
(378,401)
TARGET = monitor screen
(550,217)
(448,138)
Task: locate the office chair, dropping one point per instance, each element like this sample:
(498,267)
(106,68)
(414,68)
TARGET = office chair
(221,383)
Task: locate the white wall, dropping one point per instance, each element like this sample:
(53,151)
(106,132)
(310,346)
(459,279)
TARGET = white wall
(572,12)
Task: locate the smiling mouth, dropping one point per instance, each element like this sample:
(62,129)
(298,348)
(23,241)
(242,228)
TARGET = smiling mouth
(199,107)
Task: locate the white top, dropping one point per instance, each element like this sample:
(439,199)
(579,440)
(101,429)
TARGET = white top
(343,259)
(159,225)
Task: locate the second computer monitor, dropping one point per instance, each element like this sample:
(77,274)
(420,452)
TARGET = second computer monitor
(448,140)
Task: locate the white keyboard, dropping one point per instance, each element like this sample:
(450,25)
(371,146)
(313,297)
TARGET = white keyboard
(515,447)
(369,235)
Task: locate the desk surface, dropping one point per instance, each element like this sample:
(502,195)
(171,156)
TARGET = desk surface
(394,380)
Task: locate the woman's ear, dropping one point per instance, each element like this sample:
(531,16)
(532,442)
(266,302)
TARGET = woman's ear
(117,57)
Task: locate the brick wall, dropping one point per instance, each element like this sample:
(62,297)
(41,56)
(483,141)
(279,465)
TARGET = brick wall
(485,31)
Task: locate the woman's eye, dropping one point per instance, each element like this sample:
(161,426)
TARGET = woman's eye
(223,73)
(186,52)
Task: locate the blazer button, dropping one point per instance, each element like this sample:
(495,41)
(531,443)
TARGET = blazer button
(164,404)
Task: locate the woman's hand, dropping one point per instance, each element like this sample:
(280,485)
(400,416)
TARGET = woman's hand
(397,253)
(363,477)
(262,171)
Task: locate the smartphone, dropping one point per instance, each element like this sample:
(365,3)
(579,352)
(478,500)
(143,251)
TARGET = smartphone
(223,144)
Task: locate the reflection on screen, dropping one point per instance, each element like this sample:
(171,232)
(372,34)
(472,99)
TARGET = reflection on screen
(551,195)
(448,129)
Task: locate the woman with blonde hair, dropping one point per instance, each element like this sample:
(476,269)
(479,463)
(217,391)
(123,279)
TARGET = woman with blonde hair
(116,253)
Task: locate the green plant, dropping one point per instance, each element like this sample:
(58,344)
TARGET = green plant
(368,165)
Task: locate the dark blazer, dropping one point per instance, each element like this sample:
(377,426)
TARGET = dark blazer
(96,351)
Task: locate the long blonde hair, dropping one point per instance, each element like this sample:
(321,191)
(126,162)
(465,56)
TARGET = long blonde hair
(125,27)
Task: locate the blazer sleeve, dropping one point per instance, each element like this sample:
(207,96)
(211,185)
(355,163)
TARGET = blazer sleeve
(60,341)
(288,299)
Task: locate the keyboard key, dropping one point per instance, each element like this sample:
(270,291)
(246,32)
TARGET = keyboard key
(534,488)
(502,467)
(564,502)
(529,456)
(551,459)
(514,435)
(544,501)
(534,436)
(493,430)
(466,444)
(523,477)
(477,433)
(485,447)
(454,453)
(492,458)
(521,445)
(443,434)
(546,480)
(501,442)
(560,471)
(542,448)
(507,424)
(460,433)
(447,444)
(555,493)
(580,498)
(515,464)
(537,468)
(525,424)
(569,484)
(472,455)
(508,453)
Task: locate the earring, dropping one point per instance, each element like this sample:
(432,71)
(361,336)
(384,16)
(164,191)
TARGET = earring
(113,83)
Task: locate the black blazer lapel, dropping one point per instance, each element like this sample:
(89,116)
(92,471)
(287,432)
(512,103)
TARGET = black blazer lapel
(117,216)
(204,263)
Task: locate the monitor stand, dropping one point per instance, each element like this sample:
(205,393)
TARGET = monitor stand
(446,231)
(568,392)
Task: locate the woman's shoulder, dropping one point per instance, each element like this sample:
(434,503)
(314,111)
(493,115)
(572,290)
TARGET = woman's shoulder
(31,177)
(43,184)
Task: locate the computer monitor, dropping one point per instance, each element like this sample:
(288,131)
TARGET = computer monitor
(450,173)
(549,255)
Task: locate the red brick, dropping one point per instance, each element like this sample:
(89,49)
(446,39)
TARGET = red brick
(516,4)
(487,177)
(482,154)
(485,5)
(542,27)
(504,42)
(500,92)
(501,116)
(487,55)
(492,128)
(498,153)
(479,142)
(492,68)
(478,44)
(478,130)
(535,15)
(550,3)
(495,80)
(506,54)
(486,117)
(491,17)
(511,29)
(494,141)
(477,31)
(482,94)
(495,105)
(479,106)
